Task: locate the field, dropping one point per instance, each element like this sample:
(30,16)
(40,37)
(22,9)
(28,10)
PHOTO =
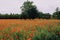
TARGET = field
(20,29)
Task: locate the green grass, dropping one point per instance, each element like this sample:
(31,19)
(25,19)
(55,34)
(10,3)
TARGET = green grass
(47,33)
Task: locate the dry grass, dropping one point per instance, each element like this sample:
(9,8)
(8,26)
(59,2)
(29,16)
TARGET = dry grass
(29,26)
(17,24)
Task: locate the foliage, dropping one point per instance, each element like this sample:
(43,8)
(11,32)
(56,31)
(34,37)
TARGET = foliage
(40,34)
(29,10)
(45,34)
(46,16)
(10,16)
(18,36)
(56,15)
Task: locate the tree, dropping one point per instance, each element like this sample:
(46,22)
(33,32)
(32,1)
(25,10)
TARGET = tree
(56,15)
(29,10)
(40,15)
(24,15)
(57,9)
(46,16)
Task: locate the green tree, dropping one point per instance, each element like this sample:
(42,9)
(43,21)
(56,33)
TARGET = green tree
(56,15)
(57,9)
(29,10)
(40,15)
(46,16)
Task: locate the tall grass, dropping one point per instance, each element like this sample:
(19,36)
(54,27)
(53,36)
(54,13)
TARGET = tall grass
(47,33)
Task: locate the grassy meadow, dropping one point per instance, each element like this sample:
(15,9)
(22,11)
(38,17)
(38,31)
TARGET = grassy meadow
(36,29)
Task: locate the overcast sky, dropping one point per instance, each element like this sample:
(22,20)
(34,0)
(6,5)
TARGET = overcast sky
(13,6)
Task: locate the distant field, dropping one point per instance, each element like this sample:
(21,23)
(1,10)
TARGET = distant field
(17,24)
(21,24)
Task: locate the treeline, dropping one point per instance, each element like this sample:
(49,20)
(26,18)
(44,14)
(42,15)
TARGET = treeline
(29,11)
(10,16)
(56,15)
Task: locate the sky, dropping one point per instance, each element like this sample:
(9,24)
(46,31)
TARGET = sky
(13,6)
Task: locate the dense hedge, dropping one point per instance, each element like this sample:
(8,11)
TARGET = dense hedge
(9,16)
(56,15)
(22,16)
